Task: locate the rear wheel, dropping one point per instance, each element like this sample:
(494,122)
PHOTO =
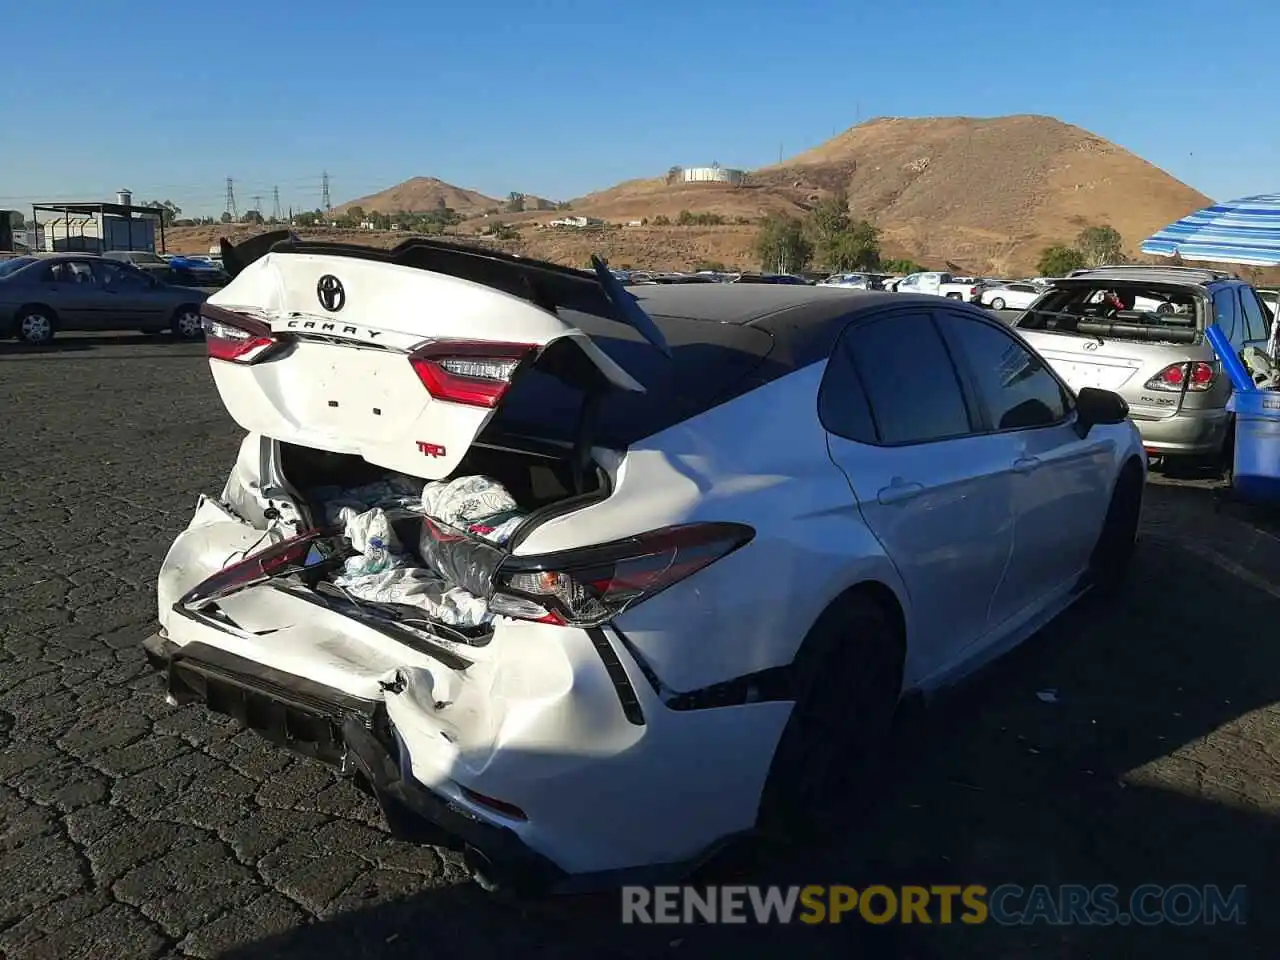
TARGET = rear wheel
(186,323)
(1113,553)
(35,325)
(848,682)
(997,303)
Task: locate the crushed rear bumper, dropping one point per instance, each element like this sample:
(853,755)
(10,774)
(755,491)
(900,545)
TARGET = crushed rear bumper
(355,737)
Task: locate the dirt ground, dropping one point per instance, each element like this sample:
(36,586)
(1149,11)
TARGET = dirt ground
(133,829)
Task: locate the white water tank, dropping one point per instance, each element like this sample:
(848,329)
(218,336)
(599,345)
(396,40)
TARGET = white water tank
(124,198)
(712,174)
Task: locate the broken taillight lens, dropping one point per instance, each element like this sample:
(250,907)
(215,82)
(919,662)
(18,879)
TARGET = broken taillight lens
(591,586)
(257,568)
(472,372)
(1196,377)
(235,337)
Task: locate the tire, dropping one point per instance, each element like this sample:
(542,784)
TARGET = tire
(1113,553)
(997,303)
(848,685)
(186,323)
(35,325)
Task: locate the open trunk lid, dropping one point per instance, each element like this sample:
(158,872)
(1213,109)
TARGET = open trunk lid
(403,356)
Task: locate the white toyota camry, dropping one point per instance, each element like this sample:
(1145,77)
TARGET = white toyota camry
(590,581)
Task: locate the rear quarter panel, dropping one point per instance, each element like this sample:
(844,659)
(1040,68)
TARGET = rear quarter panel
(762,460)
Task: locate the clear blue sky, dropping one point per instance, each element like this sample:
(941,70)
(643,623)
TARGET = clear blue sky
(559,97)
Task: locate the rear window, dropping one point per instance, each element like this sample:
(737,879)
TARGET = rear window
(17,263)
(1117,310)
(710,364)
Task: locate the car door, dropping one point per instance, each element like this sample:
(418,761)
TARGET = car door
(936,492)
(72,291)
(1060,480)
(131,298)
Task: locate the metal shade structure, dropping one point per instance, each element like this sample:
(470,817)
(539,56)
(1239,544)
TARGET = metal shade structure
(1245,231)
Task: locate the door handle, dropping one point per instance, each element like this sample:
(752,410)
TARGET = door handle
(898,491)
(1026,464)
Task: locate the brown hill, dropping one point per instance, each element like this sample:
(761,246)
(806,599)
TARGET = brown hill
(985,193)
(422,195)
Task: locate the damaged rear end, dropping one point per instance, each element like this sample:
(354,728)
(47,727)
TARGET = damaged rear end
(358,592)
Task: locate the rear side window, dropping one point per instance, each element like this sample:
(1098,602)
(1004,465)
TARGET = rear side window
(1017,390)
(843,407)
(908,378)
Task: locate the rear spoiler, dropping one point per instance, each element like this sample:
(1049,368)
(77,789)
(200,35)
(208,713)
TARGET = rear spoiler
(550,286)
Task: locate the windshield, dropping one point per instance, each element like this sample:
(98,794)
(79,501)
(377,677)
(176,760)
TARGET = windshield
(17,263)
(1117,310)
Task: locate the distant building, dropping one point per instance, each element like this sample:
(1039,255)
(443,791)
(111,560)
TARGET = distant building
(578,222)
(712,174)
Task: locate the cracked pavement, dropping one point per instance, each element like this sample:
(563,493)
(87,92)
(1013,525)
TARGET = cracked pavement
(130,828)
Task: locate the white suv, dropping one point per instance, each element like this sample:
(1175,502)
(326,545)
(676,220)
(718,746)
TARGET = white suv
(740,523)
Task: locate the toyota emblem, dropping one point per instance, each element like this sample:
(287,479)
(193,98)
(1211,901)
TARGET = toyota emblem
(332,295)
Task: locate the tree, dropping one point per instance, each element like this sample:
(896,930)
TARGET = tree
(355,214)
(1100,245)
(1058,261)
(856,248)
(840,242)
(252,216)
(307,219)
(901,266)
(515,202)
(169,211)
(674,174)
(441,204)
(16,220)
(782,245)
(226,217)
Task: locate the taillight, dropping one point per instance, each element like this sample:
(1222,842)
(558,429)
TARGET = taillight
(1196,376)
(257,568)
(235,337)
(476,373)
(591,586)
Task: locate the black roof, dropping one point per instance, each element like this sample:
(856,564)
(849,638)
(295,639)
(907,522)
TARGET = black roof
(725,341)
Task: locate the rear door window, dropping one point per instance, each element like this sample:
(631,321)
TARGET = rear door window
(908,378)
(1255,317)
(1225,315)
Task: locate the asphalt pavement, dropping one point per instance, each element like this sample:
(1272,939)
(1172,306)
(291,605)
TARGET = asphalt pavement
(1129,744)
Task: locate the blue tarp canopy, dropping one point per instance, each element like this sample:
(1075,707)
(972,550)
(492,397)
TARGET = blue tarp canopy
(1245,231)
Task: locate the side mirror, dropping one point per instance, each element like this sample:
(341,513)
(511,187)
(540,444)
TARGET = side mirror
(1095,406)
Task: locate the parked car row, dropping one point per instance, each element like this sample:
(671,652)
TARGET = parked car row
(44,294)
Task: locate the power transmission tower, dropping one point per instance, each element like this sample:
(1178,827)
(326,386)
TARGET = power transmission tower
(275,203)
(257,204)
(231,200)
(324,192)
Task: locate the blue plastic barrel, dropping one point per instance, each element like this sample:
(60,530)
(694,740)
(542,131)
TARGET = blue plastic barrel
(1234,367)
(1257,458)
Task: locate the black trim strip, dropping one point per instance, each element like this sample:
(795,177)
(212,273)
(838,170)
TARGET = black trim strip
(627,696)
(769,685)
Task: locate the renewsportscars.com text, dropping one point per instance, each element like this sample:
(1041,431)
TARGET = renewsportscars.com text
(1004,905)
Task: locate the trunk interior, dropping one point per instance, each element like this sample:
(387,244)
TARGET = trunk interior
(543,480)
